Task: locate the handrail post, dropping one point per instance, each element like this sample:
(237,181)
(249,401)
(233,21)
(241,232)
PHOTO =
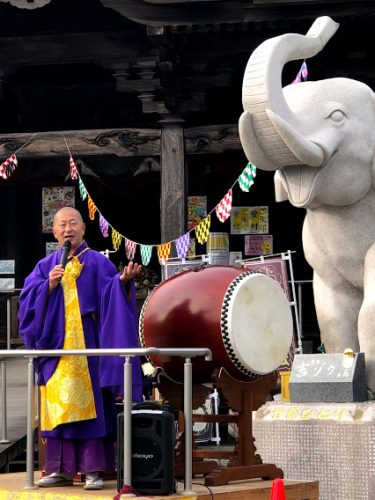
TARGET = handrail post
(300,306)
(4,426)
(30,427)
(9,341)
(4,419)
(127,421)
(188,410)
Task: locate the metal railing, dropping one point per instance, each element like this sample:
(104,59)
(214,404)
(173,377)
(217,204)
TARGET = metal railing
(127,354)
(11,292)
(4,427)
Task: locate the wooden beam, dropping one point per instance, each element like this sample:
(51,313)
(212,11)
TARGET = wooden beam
(210,139)
(118,142)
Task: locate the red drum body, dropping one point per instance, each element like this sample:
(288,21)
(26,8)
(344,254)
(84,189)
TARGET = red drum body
(244,318)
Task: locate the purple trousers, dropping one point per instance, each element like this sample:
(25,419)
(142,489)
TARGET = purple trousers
(79,455)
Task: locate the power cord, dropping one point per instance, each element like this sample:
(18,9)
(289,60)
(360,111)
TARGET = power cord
(209,489)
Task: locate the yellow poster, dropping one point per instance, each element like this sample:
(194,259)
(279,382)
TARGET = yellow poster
(249,220)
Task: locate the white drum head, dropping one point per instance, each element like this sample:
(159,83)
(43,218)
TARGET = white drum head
(256,324)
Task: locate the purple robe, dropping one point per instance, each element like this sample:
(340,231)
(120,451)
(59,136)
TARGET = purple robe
(109,320)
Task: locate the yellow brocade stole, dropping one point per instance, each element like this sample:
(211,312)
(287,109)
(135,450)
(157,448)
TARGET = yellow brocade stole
(68,395)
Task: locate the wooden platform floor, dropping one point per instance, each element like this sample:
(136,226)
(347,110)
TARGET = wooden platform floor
(11,488)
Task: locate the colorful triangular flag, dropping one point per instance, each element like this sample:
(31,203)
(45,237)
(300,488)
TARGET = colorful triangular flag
(163,251)
(246,179)
(130,247)
(8,166)
(202,230)
(116,239)
(302,73)
(224,208)
(103,224)
(146,252)
(182,245)
(73,169)
(92,207)
(82,189)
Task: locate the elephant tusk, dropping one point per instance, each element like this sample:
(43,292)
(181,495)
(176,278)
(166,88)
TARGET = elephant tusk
(305,151)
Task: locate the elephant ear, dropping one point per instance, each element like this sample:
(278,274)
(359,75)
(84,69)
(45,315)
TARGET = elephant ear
(281,193)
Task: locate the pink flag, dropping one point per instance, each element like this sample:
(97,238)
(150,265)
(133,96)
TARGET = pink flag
(224,208)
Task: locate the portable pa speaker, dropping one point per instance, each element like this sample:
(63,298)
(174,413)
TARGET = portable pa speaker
(153,441)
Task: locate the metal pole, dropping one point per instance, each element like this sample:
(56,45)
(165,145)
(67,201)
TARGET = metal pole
(30,427)
(215,397)
(300,307)
(127,421)
(299,349)
(188,410)
(8,325)
(4,423)
(4,426)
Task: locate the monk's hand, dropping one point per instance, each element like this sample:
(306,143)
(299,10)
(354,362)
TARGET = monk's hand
(55,276)
(130,272)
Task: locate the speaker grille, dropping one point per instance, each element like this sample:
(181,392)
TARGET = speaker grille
(153,442)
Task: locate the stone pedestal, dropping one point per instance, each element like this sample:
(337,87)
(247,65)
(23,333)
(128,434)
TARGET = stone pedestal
(333,443)
(328,378)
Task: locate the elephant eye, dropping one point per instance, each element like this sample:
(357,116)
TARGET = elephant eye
(337,116)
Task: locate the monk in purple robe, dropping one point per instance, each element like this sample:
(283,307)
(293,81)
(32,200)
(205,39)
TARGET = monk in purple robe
(85,304)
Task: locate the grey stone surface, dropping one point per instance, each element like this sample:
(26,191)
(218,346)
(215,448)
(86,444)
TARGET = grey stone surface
(331,378)
(319,138)
(330,443)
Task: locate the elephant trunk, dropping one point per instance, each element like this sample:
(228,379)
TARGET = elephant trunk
(261,127)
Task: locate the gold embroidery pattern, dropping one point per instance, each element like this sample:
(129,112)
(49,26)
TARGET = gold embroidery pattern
(68,396)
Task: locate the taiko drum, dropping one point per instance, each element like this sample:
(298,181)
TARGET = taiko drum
(243,317)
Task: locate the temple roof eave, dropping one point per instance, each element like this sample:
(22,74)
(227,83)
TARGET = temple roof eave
(182,13)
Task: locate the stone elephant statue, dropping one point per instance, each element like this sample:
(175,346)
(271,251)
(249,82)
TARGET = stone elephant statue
(319,138)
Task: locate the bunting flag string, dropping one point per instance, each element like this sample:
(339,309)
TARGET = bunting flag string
(182,244)
(223,209)
(10,164)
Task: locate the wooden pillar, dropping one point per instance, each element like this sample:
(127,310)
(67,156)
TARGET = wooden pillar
(173,190)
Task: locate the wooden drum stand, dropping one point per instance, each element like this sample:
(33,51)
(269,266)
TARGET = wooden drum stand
(242,397)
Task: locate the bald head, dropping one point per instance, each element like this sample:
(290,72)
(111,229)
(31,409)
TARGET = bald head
(68,225)
(63,211)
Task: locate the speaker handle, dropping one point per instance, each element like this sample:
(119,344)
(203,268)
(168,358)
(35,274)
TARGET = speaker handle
(151,405)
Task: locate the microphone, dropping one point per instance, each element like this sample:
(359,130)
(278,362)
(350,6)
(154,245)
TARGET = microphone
(65,252)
